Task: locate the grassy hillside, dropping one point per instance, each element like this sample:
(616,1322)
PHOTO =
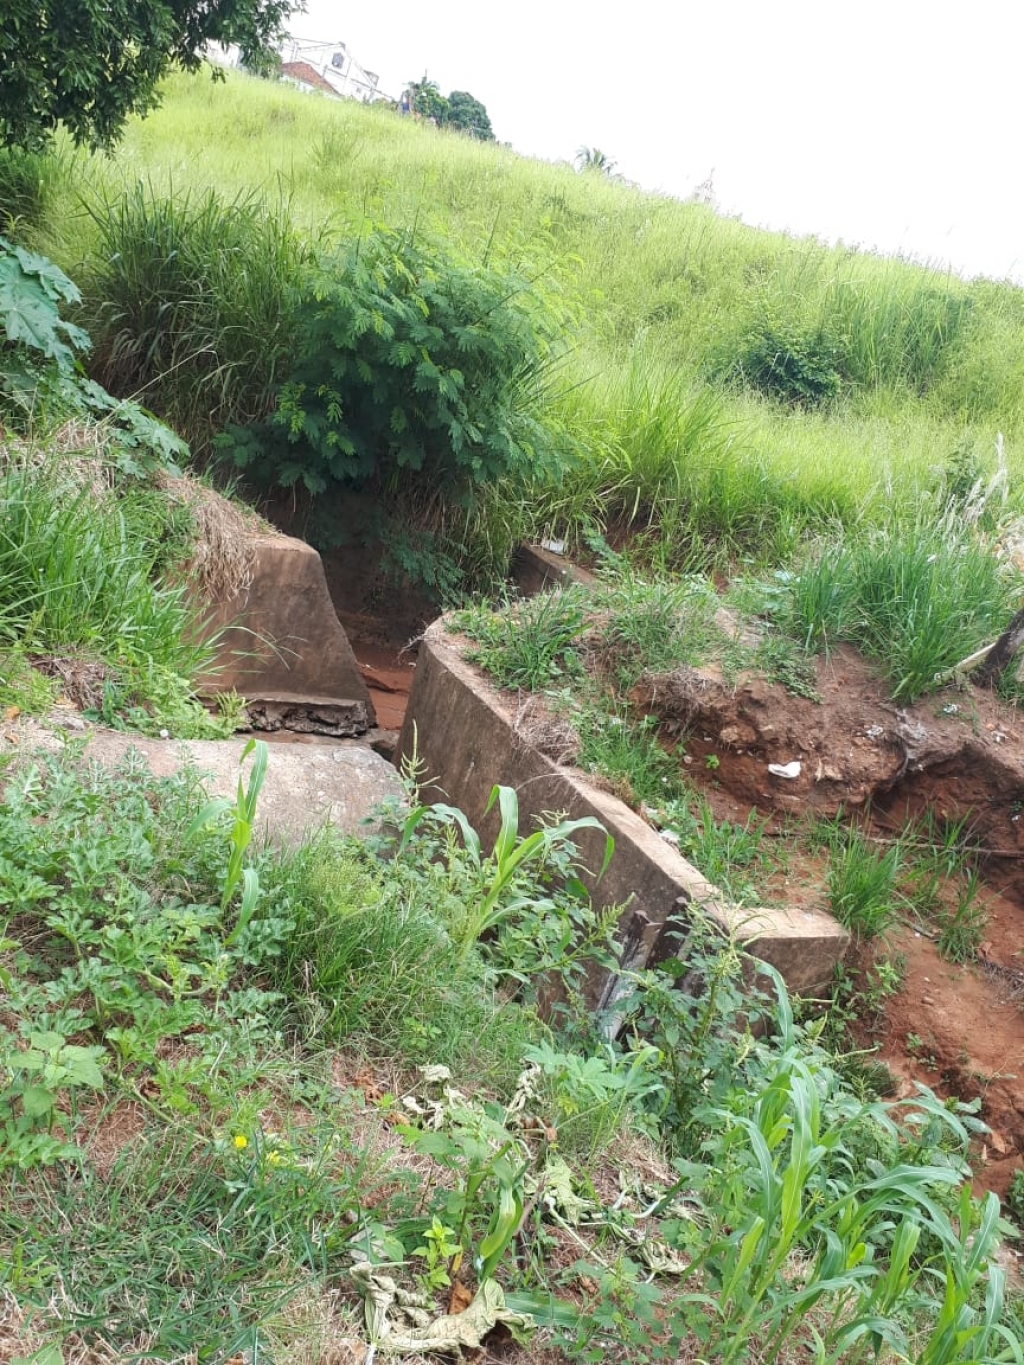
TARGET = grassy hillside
(746,385)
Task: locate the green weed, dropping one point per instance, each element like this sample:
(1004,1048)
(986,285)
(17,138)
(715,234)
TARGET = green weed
(918,598)
(79,587)
(530,644)
(731,855)
(862,882)
(962,928)
(650,625)
(627,754)
(513,859)
(409,366)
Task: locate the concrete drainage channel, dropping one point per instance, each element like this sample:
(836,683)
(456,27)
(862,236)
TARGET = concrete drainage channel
(461,730)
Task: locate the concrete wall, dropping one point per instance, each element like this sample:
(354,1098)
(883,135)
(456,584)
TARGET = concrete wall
(284,643)
(461,730)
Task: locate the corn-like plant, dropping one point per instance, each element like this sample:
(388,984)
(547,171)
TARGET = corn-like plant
(243,813)
(807,1237)
(500,872)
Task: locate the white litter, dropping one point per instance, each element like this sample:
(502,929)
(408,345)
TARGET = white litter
(789,770)
(556,547)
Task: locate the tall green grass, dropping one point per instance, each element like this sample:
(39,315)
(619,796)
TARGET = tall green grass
(76,573)
(191,303)
(668,295)
(919,596)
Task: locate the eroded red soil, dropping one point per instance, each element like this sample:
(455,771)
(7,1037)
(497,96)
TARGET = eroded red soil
(958,753)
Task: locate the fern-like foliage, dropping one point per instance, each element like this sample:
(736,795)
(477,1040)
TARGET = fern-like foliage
(410,363)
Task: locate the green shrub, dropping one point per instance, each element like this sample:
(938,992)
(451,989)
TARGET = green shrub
(408,364)
(794,361)
(41,379)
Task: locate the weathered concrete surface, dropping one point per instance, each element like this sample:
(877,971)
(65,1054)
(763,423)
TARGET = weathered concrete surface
(283,639)
(461,730)
(307,785)
(308,716)
(536,569)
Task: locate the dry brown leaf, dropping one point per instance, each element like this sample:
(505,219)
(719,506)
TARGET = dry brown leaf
(460,1299)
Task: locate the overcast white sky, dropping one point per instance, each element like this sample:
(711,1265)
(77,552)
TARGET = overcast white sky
(893,124)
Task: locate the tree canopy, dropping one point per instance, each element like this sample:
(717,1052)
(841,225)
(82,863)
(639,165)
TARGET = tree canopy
(459,110)
(593,159)
(89,64)
(468,114)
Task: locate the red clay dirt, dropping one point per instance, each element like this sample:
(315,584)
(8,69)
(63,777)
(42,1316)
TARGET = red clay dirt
(959,753)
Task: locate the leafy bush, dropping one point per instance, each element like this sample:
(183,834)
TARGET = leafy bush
(821,327)
(40,374)
(408,363)
(785,358)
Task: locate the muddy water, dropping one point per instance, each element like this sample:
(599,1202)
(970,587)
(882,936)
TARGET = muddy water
(387,671)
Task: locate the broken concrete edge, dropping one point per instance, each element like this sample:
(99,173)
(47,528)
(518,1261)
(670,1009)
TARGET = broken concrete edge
(535,569)
(308,786)
(334,716)
(460,731)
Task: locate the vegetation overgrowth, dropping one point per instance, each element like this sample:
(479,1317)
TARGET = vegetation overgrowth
(720,391)
(92,592)
(294,1078)
(215,1140)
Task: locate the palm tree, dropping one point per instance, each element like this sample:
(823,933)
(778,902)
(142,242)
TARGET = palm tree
(593,159)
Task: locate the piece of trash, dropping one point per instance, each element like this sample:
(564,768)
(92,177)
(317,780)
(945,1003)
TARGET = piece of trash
(670,836)
(400,1322)
(788,770)
(875,731)
(557,547)
(165,734)
(435,1074)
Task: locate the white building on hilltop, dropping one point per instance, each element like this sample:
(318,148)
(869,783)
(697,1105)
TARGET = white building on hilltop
(333,66)
(327,67)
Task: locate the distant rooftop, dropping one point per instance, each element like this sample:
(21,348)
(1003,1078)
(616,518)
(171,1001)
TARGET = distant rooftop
(305,74)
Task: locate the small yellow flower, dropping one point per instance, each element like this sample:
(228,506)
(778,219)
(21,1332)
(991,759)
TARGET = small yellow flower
(241,1141)
(273,1158)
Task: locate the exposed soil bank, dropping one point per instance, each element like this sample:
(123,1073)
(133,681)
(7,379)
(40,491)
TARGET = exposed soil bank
(958,754)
